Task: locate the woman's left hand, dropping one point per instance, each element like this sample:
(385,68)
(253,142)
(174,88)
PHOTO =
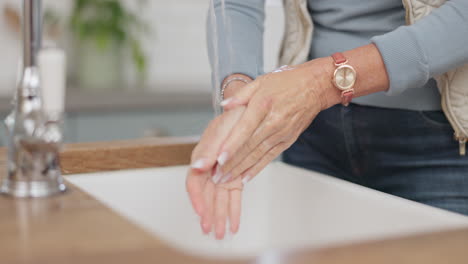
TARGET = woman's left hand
(280,106)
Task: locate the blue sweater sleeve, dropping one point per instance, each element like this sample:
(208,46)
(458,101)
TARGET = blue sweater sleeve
(235,38)
(433,45)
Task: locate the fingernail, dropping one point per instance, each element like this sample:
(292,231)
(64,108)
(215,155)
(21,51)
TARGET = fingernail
(217,177)
(228,234)
(223,158)
(198,164)
(226,178)
(220,234)
(246,179)
(206,228)
(226,102)
(234,231)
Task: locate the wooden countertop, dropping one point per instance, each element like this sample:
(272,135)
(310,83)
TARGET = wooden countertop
(76,228)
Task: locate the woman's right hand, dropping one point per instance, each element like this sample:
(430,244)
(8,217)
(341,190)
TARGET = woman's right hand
(215,203)
(235,86)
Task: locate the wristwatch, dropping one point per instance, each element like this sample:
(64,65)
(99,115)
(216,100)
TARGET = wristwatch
(344,78)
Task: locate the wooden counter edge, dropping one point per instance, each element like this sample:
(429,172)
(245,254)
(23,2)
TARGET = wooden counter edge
(124,155)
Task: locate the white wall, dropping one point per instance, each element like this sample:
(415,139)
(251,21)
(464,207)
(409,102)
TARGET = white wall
(177,49)
(9,52)
(10,45)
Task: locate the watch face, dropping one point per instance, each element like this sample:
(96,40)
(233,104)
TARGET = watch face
(344,77)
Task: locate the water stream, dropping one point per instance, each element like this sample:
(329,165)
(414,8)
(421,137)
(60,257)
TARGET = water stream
(222,14)
(213,44)
(220,27)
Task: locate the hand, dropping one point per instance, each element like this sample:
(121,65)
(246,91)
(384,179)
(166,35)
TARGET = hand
(214,203)
(280,106)
(218,203)
(243,140)
(235,86)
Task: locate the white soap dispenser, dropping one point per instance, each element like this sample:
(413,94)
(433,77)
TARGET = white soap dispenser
(52,72)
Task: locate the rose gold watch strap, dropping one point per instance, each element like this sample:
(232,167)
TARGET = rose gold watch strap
(339,58)
(347,96)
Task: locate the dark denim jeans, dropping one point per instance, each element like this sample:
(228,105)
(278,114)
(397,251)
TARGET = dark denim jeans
(411,154)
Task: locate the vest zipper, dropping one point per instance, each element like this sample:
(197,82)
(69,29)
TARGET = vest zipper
(407,7)
(462,144)
(459,136)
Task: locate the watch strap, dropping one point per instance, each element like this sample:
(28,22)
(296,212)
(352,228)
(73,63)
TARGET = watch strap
(339,58)
(347,96)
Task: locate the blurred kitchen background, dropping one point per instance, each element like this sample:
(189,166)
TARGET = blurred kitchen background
(136,68)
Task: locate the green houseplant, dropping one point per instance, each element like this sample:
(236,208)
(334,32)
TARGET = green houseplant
(103,31)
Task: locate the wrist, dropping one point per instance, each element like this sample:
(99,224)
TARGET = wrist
(371,75)
(320,80)
(233,83)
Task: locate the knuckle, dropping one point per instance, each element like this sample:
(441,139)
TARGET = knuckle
(250,159)
(284,135)
(245,129)
(264,104)
(285,145)
(250,145)
(276,126)
(272,155)
(273,124)
(277,114)
(257,153)
(266,145)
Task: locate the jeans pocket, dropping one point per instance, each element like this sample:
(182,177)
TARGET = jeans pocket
(435,118)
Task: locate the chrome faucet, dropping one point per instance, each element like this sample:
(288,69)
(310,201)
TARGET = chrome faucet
(34,134)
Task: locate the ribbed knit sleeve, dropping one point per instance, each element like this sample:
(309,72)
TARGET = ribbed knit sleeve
(433,45)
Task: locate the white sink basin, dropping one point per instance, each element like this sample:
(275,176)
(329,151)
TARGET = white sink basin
(284,207)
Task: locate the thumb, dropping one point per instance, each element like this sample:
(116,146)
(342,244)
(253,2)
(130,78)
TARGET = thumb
(206,152)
